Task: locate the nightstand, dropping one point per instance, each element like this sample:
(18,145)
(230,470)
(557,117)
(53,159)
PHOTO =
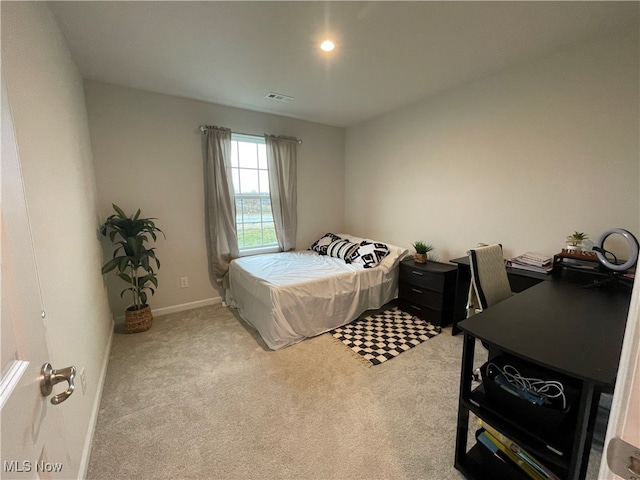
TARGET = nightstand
(428,290)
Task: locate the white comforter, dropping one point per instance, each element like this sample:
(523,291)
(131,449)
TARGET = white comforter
(290,296)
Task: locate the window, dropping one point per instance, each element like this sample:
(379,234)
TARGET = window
(254,218)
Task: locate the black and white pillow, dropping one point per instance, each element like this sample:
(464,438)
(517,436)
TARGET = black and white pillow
(370,254)
(343,249)
(323,242)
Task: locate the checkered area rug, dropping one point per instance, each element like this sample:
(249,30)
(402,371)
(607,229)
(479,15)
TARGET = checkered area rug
(378,338)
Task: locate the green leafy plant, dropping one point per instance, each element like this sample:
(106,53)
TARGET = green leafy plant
(422,248)
(576,238)
(132,258)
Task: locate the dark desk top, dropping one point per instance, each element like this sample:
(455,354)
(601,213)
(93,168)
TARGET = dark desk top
(429,266)
(559,325)
(510,270)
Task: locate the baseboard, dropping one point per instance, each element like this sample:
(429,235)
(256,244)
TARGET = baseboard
(158,312)
(185,306)
(88,442)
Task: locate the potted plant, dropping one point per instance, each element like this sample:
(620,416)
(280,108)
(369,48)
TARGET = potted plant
(421,249)
(575,241)
(133,261)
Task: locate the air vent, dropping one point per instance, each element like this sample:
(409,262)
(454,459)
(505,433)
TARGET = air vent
(279,97)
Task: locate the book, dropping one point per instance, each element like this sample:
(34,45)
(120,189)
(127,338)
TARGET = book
(514,263)
(484,439)
(533,262)
(539,468)
(515,459)
(535,259)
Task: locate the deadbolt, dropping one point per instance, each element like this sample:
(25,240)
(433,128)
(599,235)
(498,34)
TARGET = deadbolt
(51,377)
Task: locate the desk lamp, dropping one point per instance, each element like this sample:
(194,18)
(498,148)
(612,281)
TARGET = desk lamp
(616,270)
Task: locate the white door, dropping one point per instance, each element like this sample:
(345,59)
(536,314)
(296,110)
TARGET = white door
(33,443)
(624,421)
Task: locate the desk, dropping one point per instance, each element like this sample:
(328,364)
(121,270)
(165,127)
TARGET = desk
(519,280)
(559,328)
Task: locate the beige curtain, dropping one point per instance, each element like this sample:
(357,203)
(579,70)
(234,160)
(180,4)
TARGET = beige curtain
(281,162)
(220,208)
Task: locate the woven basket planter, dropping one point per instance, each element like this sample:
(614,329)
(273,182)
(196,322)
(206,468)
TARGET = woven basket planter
(138,320)
(420,257)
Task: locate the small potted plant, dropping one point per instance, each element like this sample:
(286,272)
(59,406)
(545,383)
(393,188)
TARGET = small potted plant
(575,240)
(421,249)
(133,260)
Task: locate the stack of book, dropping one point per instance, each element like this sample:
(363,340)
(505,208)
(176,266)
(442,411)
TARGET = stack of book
(533,262)
(509,452)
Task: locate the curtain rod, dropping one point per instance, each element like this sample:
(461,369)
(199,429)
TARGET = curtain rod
(204,128)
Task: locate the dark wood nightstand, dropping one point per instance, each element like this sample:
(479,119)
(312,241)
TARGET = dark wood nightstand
(428,290)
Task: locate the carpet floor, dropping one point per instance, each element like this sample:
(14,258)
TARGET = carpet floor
(199,396)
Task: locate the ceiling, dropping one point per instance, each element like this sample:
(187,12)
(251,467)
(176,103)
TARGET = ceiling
(388,54)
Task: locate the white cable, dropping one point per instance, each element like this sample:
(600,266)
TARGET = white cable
(543,388)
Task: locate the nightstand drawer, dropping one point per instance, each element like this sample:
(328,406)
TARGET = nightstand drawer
(421,278)
(432,316)
(420,296)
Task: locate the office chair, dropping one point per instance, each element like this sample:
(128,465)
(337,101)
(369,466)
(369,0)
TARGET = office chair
(489,281)
(489,285)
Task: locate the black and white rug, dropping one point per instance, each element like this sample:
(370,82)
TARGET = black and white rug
(380,337)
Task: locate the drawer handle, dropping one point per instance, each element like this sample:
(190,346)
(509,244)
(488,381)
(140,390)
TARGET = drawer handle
(417,273)
(416,290)
(417,308)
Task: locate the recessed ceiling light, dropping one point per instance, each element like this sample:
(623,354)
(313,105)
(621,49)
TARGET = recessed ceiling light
(327,45)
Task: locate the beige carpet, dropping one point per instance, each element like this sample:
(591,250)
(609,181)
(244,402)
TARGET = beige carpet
(199,396)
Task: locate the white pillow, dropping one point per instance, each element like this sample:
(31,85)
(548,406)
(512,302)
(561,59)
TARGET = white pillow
(343,249)
(323,242)
(391,261)
(370,254)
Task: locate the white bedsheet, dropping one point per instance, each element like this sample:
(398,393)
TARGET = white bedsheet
(290,296)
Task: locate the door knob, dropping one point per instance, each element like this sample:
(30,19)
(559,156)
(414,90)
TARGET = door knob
(51,377)
(623,459)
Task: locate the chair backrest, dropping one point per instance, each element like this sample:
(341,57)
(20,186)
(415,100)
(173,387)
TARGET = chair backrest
(489,281)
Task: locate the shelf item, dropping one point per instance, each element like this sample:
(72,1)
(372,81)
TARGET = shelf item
(535,259)
(516,264)
(501,451)
(538,466)
(551,440)
(482,464)
(533,262)
(583,261)
(428,290)
(583,255)
(552,407)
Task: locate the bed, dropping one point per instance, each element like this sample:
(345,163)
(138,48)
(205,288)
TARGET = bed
(290,296)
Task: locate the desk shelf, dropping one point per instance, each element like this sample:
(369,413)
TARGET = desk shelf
(535,438)
(552,442)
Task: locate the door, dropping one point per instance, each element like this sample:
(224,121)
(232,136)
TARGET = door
(624,421)
(33,443)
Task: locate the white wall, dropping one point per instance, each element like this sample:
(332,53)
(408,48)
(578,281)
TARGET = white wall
(147,152)
(522,158)
(46,96)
